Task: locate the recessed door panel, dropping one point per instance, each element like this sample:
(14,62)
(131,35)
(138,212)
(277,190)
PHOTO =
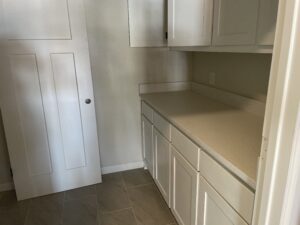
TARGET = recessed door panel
(30,105)
(37,19)
(66,89)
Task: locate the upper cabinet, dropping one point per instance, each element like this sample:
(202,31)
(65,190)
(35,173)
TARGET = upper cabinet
(267,22)
(190,22)
(204,25)
(147,23)
(235,22)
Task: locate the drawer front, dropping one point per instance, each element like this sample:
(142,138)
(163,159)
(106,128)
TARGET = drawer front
(147,111)
(231,189)
(186,147)
(162,125)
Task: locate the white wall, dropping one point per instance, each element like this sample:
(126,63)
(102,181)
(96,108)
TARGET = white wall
(117,70)
(243,74)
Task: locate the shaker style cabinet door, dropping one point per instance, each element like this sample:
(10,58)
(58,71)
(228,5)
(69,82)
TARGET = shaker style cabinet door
(162,165)
(235,22)
(213,209)
(147,135)
(267,22)
(190,22)
(147,23)
(184,190)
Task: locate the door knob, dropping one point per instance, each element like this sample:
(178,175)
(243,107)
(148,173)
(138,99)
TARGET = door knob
(88,101)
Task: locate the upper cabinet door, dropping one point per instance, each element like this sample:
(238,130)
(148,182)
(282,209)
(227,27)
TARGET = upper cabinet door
(190,22)
(147,23)
(267,22)
(235,22)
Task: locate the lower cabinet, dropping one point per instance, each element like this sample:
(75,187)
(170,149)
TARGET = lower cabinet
(184,190)
(213,209)
(147,138)
(162,153)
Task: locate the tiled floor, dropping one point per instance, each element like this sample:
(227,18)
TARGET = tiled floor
(127,198)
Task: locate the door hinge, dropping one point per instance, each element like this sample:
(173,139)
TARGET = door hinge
(166,35)
(11,172)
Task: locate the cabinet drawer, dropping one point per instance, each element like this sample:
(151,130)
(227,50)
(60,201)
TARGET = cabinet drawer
(231,189)
(186,147)
(147,111)
(162,125)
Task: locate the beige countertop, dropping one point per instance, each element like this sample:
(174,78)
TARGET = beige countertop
(232,136)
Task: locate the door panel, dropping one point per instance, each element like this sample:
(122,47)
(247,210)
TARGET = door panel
(190,22)
(213,209)
(37,19)
(235,22)
(162,165)
(148,145)
(184,190)
(66,88)
(60,124)
(30,106)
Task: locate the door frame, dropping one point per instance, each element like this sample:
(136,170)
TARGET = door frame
(279,174)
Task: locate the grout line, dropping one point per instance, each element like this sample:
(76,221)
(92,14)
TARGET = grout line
(130,202)
(27,212)
(115,211)
(140,185)
(63,208)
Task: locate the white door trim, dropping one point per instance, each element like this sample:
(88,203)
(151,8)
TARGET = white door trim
(281,116)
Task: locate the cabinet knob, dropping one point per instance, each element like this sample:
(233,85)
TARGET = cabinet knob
(88,101)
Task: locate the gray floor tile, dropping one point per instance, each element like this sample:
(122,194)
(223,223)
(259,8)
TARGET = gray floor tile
(82,211)
(12,212)
(8,202)
(112,194)
(46,210)
(12,218)
(149,206)
(81,192)
(122,217)
(137,177)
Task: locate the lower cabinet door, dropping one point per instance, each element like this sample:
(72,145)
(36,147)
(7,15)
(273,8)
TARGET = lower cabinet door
(184,190)
(162,164)
(147,135)
(213,209)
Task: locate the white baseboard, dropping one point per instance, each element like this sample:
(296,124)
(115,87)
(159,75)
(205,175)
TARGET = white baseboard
(122,167)
(7,186)
(164,87)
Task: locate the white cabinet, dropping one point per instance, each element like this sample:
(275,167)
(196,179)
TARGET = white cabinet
(235,22)
(267,22)
(213,209)
(147,23)
(184,190)
(162,165)
(190,22)
(147,136)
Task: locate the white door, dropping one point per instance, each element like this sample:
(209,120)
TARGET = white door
(235,22)
(184,190)
(162,164)
(147,23)
(49,110)
(147,135)
(190,22)
(213,209)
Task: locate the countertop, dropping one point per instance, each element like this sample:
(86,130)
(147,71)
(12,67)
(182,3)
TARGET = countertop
(230,135)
